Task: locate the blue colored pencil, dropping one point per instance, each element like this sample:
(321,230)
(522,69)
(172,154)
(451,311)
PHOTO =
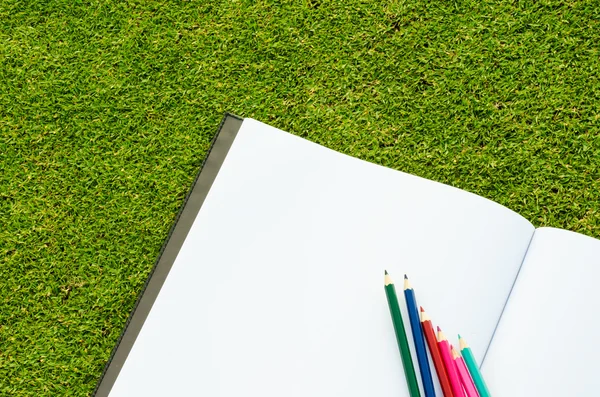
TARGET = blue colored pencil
(415,324)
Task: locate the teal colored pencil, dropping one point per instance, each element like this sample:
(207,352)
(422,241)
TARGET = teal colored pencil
(473,368)
(407,363)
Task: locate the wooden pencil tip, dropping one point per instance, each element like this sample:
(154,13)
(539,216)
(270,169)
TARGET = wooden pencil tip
(462,343)
(455,354)
(388,279)
(386,273)
(421,307)
(441,336)
(407,283)
(439,329)
(424,317)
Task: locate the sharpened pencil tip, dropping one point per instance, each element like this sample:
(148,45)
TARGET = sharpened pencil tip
(386,273)
(421,307)
(439,329)
(462,343)
(407,283)
(387,279)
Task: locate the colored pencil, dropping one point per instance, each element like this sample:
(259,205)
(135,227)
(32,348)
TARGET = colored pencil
(463,373)
(473,368)
(455,382)
(409,369)
(435,354)
(415,325)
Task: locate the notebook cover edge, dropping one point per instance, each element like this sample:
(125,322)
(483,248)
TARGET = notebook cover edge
(220,145)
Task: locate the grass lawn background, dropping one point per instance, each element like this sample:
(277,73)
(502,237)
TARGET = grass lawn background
(107,110)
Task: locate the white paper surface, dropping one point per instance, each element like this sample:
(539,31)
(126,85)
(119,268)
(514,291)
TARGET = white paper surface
(545,344)
(278,289)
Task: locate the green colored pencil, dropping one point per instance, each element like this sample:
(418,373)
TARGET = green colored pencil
(409,369)
(473,368)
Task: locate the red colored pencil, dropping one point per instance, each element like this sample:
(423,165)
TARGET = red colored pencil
(463,373)
(455,382)
(440,369)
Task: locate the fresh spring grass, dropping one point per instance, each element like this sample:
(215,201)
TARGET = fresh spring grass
(108,108)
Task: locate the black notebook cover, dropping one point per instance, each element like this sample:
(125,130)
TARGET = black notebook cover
(219,148)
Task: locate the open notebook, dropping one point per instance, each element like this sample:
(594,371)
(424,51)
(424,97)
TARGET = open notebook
(271,283)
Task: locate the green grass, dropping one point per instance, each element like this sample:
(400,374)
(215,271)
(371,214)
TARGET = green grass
(107,110)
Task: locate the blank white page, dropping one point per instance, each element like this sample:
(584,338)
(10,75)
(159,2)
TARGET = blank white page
(278,288)
(545,344)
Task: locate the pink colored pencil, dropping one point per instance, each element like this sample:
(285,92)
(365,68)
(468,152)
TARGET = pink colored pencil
(455,382)
(463,373)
